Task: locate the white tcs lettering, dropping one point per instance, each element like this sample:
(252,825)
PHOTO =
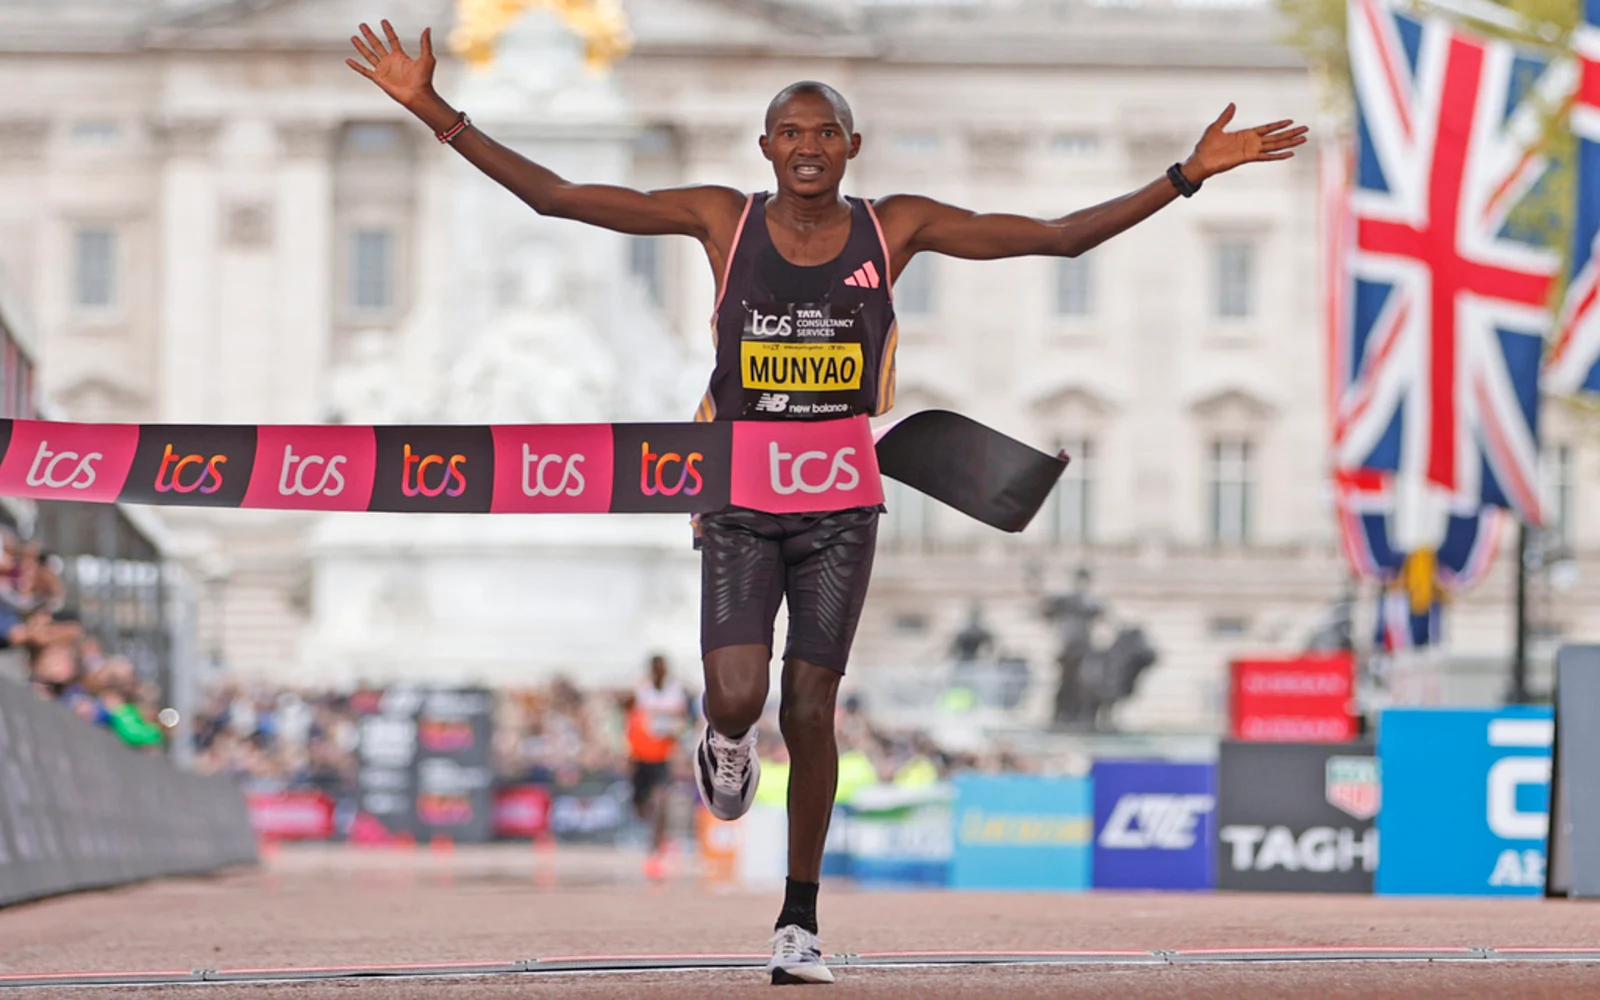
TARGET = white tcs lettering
(330,484)
(534,466)
(778,458)
(81,476)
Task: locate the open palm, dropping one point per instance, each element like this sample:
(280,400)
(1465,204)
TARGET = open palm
(1220,150)
(403,78)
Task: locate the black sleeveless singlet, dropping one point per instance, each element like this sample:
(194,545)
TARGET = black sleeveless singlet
(803,343)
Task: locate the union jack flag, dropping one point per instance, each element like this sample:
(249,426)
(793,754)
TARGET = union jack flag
(1365,501)
(1399,628)
(1441,344)
(1574,361)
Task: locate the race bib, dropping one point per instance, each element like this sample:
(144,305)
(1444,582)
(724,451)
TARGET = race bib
(803,361)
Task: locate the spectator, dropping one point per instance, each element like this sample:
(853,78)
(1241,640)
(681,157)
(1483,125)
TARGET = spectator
(121,695)
(52,666)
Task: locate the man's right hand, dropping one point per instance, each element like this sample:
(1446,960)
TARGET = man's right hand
(409,81)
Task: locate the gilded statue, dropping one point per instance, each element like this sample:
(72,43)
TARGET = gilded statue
(600,23)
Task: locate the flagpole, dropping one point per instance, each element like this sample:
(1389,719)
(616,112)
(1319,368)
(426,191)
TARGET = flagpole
(1518,692)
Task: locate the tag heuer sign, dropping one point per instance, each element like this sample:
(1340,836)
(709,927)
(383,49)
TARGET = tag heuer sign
(1352,785)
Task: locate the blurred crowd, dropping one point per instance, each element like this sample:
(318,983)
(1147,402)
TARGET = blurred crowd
(560,734)
(61,660)
(286,739)
(277,739)
(273,738)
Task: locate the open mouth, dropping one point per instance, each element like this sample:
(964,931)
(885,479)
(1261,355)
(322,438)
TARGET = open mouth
(808,171)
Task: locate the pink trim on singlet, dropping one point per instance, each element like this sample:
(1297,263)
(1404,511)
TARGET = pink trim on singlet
(888,264)
(707,410)
(886,370)
(727,265)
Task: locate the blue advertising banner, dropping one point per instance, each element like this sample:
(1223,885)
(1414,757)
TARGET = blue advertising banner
(1465,801)
(1018,831)
(901,836)
(1154,824)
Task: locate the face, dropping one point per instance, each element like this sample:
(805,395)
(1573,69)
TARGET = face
(658,671)
(808,146)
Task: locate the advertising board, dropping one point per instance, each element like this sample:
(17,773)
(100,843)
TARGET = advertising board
(1155,824)
(1305,698)
(1297,817)
(1015,831)
(291,815)
(1466,799)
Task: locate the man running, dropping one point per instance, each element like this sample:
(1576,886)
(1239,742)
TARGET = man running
(657,718)
(804,246)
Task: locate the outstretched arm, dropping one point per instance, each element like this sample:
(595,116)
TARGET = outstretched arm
(701,212)
(913,224)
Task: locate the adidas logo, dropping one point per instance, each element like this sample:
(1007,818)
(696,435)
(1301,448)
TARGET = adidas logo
(866,276)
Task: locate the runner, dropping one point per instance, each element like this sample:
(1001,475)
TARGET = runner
(657,719)
(804,247)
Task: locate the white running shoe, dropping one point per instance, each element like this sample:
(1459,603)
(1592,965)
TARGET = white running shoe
(727,771)
(797,958)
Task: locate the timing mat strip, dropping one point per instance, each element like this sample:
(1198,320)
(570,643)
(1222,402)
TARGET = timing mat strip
(886,959)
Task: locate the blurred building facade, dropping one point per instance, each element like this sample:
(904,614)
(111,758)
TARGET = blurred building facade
(214,220)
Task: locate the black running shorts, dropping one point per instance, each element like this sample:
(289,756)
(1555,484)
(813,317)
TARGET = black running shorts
(750,561)
(648,775)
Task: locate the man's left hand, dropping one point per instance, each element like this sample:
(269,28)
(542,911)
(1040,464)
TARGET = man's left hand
(1220,150)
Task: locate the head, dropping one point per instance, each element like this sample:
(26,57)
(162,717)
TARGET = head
(54,663)
(658,670)
(810,136)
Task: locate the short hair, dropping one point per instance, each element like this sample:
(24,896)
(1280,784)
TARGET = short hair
(841,106)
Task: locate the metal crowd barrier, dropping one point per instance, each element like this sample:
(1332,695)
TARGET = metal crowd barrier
(79,810)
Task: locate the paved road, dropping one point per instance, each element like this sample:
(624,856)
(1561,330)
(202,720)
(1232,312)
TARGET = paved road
(345,906)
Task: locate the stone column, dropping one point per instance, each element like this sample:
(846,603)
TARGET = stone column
(709,151)
(303,275)
(190,335)
(1169,480)
(22,271)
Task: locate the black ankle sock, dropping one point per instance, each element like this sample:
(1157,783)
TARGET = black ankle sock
(799,905)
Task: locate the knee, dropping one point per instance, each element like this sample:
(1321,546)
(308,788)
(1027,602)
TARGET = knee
(806,719)
(735,698)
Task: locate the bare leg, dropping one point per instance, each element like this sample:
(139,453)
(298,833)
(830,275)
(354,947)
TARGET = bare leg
(736,687)
(806,718)
(658,809)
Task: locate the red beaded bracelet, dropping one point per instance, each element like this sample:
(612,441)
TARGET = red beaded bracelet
(449,134)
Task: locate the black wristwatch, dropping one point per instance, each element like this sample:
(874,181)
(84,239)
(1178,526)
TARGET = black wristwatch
(1185,187)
